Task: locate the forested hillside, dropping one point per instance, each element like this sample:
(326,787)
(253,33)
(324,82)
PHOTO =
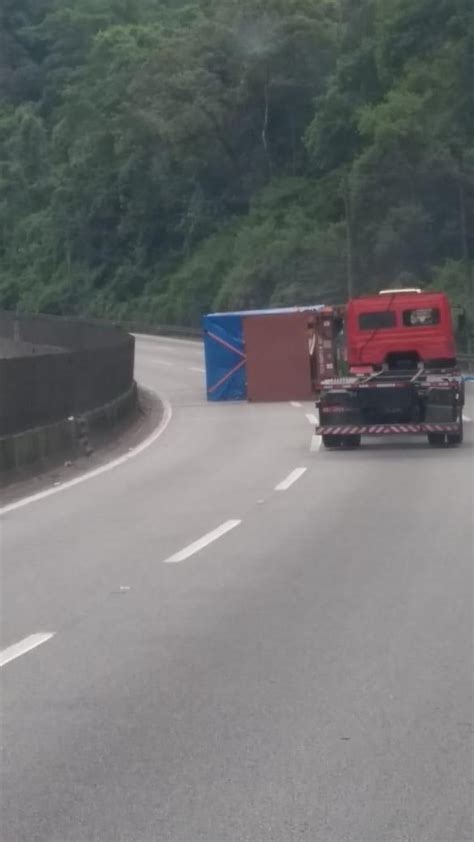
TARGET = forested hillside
(159,158)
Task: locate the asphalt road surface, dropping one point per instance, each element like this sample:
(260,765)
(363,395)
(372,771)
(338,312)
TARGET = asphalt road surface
(210,644)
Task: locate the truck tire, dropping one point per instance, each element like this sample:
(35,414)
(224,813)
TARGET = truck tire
(352,441)
(332,441)
(436,439)
(457,438)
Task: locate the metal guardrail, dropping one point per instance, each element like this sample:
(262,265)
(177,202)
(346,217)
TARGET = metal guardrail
(466,362)
(160,330)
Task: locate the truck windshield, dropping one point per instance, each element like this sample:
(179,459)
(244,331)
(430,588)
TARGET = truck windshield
(377,319)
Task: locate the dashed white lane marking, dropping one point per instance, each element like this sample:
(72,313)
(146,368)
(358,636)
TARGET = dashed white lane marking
(24,646)
(316,443)
(197,368)
(162,362)
(115,463)
(312,419)
(290,479)
(466,418)
(296,404)
(194,548)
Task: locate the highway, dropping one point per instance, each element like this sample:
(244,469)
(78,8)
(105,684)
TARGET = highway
(241,640)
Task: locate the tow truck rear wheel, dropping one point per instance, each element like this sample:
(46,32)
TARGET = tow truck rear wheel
(457,438)
(352,441)
(331,441)
(436,439)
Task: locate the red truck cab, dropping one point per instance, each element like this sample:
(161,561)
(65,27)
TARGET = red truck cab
(400,329)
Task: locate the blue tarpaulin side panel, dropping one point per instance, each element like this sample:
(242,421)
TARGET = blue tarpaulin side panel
(225,357)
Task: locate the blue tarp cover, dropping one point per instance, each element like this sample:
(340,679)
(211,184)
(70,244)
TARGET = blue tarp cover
(225,357)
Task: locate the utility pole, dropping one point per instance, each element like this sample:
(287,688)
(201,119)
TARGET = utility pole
(466,257)
(349,243)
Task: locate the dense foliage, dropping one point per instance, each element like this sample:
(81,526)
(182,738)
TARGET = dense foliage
(159,158)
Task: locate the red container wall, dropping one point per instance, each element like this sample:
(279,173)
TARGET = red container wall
(278,361)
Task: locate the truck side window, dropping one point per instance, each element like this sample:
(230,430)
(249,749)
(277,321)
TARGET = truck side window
(421,317)
(377,319)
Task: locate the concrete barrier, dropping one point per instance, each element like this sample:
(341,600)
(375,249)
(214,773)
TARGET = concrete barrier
(59,380)
(70,437)
(94,367)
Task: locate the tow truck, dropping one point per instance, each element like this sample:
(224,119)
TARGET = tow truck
(401,375)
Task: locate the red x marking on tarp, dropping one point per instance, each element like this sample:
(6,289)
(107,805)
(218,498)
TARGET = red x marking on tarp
(227,375)
(226,344)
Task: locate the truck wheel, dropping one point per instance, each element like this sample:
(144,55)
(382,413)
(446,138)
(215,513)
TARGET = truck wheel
(352,441)
(457,438)
(332,441)
(436,439)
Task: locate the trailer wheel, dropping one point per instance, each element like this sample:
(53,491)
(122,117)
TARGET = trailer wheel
(331,441)
(457,438)
(352,441)
(436,439)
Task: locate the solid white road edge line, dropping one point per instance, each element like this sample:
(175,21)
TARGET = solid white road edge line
(96,472)
(203,542)
(290,479)
(24,646)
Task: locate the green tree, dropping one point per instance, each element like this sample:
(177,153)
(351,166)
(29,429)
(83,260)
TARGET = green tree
(160,158)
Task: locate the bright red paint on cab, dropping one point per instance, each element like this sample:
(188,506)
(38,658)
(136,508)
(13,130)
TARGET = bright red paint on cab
(378,325)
